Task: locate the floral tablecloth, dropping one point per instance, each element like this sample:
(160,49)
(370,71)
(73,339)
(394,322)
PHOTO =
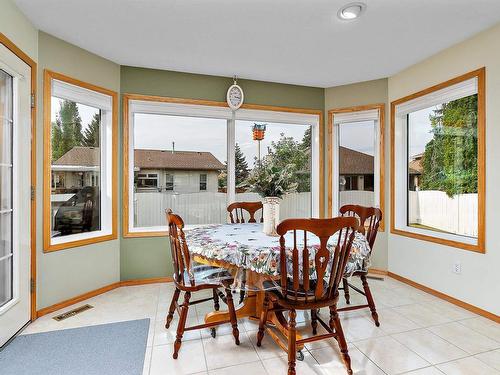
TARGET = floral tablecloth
(246,246)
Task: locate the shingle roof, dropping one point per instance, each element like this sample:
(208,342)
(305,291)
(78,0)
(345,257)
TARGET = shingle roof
(354,162)
(184,160)
(415,165)
(79,155)
(163,159)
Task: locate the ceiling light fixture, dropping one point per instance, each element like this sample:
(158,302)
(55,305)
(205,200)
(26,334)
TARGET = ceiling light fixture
(351,11)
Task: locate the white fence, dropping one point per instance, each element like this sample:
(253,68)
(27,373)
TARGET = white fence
(361,197)
(435,209)
(207,207)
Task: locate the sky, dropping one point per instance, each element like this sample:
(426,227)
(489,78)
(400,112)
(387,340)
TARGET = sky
(203,134)
(419,130)
(358,136)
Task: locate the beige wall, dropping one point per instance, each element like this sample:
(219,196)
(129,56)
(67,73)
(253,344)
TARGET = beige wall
(431,264)
(370,92)
(68,273)
(15,26)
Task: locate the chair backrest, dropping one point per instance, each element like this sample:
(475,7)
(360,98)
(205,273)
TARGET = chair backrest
(236,212)
(178,246)
(369,219)
(297,281)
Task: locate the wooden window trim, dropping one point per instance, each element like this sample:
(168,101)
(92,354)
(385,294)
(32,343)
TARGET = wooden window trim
(331,114)
(480,74)
(47,95)
(126,233)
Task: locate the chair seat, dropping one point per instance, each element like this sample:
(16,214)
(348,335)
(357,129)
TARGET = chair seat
(274,287)
(206,277)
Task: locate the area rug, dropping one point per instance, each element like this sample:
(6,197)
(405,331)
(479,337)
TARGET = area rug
(107,349)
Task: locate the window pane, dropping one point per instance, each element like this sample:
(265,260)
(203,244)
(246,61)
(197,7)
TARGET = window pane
(5,281)
(284,147)
(442,167)
(179,149)
(5,142)
(76,167)
(357,163)
(5,234)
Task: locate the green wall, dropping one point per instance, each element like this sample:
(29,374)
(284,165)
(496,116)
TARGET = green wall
(67,273)
(150,257)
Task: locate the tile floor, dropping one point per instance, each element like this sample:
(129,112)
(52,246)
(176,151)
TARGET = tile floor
(419,335)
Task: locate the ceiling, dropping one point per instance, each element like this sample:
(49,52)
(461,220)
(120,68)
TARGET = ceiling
(290,41)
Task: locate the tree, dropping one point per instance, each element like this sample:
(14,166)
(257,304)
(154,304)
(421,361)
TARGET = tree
(91,133)
(241,166)
(450,158)
(67,129)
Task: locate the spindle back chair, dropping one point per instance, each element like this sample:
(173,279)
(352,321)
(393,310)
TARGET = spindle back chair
(304,288)
(370,218)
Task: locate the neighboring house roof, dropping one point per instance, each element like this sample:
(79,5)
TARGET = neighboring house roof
(182,160)
(160,159)
(80,156)
(415,164)
(355,162)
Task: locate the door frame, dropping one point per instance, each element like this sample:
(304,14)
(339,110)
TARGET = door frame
(32,64)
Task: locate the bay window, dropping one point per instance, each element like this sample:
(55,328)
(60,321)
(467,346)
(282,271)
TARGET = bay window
(79,162)
(438,163)
(209,152)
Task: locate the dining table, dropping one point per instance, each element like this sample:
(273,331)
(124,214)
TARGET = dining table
(252,260)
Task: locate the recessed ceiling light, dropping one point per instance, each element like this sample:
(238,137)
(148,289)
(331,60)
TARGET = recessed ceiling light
(351,11)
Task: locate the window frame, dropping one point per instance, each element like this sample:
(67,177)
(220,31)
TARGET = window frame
(215,109)
(398,156)
(108,232)
(333,189)
(203,182)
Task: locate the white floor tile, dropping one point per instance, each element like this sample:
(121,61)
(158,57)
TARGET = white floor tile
(429,346)
(330,361)
(422,315)
(484,326)
(491,358)
(425,371)
(279,366)
(390,355)
(191,359)
(465,338)
(252,368)
(467,366)
(223,352)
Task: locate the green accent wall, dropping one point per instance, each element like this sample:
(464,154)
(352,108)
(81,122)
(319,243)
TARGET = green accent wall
(150,257)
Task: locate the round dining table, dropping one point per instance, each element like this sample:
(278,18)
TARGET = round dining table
(252,258)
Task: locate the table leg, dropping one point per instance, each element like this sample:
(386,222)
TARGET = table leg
(252,308)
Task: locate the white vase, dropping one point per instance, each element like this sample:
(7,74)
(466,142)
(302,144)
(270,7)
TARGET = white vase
(271,213)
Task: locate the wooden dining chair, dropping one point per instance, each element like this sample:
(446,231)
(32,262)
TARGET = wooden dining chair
(300,291)
(185,282)
(369,218)
(237,212)
(237,209)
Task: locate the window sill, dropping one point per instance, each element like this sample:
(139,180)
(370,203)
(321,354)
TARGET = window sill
(50,247)
(476,245)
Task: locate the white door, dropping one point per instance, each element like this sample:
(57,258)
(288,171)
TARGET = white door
(15,193)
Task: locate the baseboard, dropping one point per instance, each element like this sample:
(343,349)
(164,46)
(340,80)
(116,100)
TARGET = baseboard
(453,300)
(96,292)
(377,271)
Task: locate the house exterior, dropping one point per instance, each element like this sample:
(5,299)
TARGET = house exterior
(176,171)
(415,170)
(154,170)
(356,170)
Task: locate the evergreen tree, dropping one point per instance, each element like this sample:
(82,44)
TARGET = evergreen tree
(241,166)
(91,133)
(450,158)
(67,130)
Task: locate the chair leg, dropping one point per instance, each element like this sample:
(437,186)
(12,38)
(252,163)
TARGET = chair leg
(216,299)
(262,322)
(182,324)
(314,321)
(346,290)
(292,344)
(171,310)
(232,316)
(337,326)
(370,300)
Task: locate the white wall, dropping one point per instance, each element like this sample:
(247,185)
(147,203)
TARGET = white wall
(431,264)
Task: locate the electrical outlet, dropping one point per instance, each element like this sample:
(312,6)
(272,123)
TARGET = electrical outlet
(457,268)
